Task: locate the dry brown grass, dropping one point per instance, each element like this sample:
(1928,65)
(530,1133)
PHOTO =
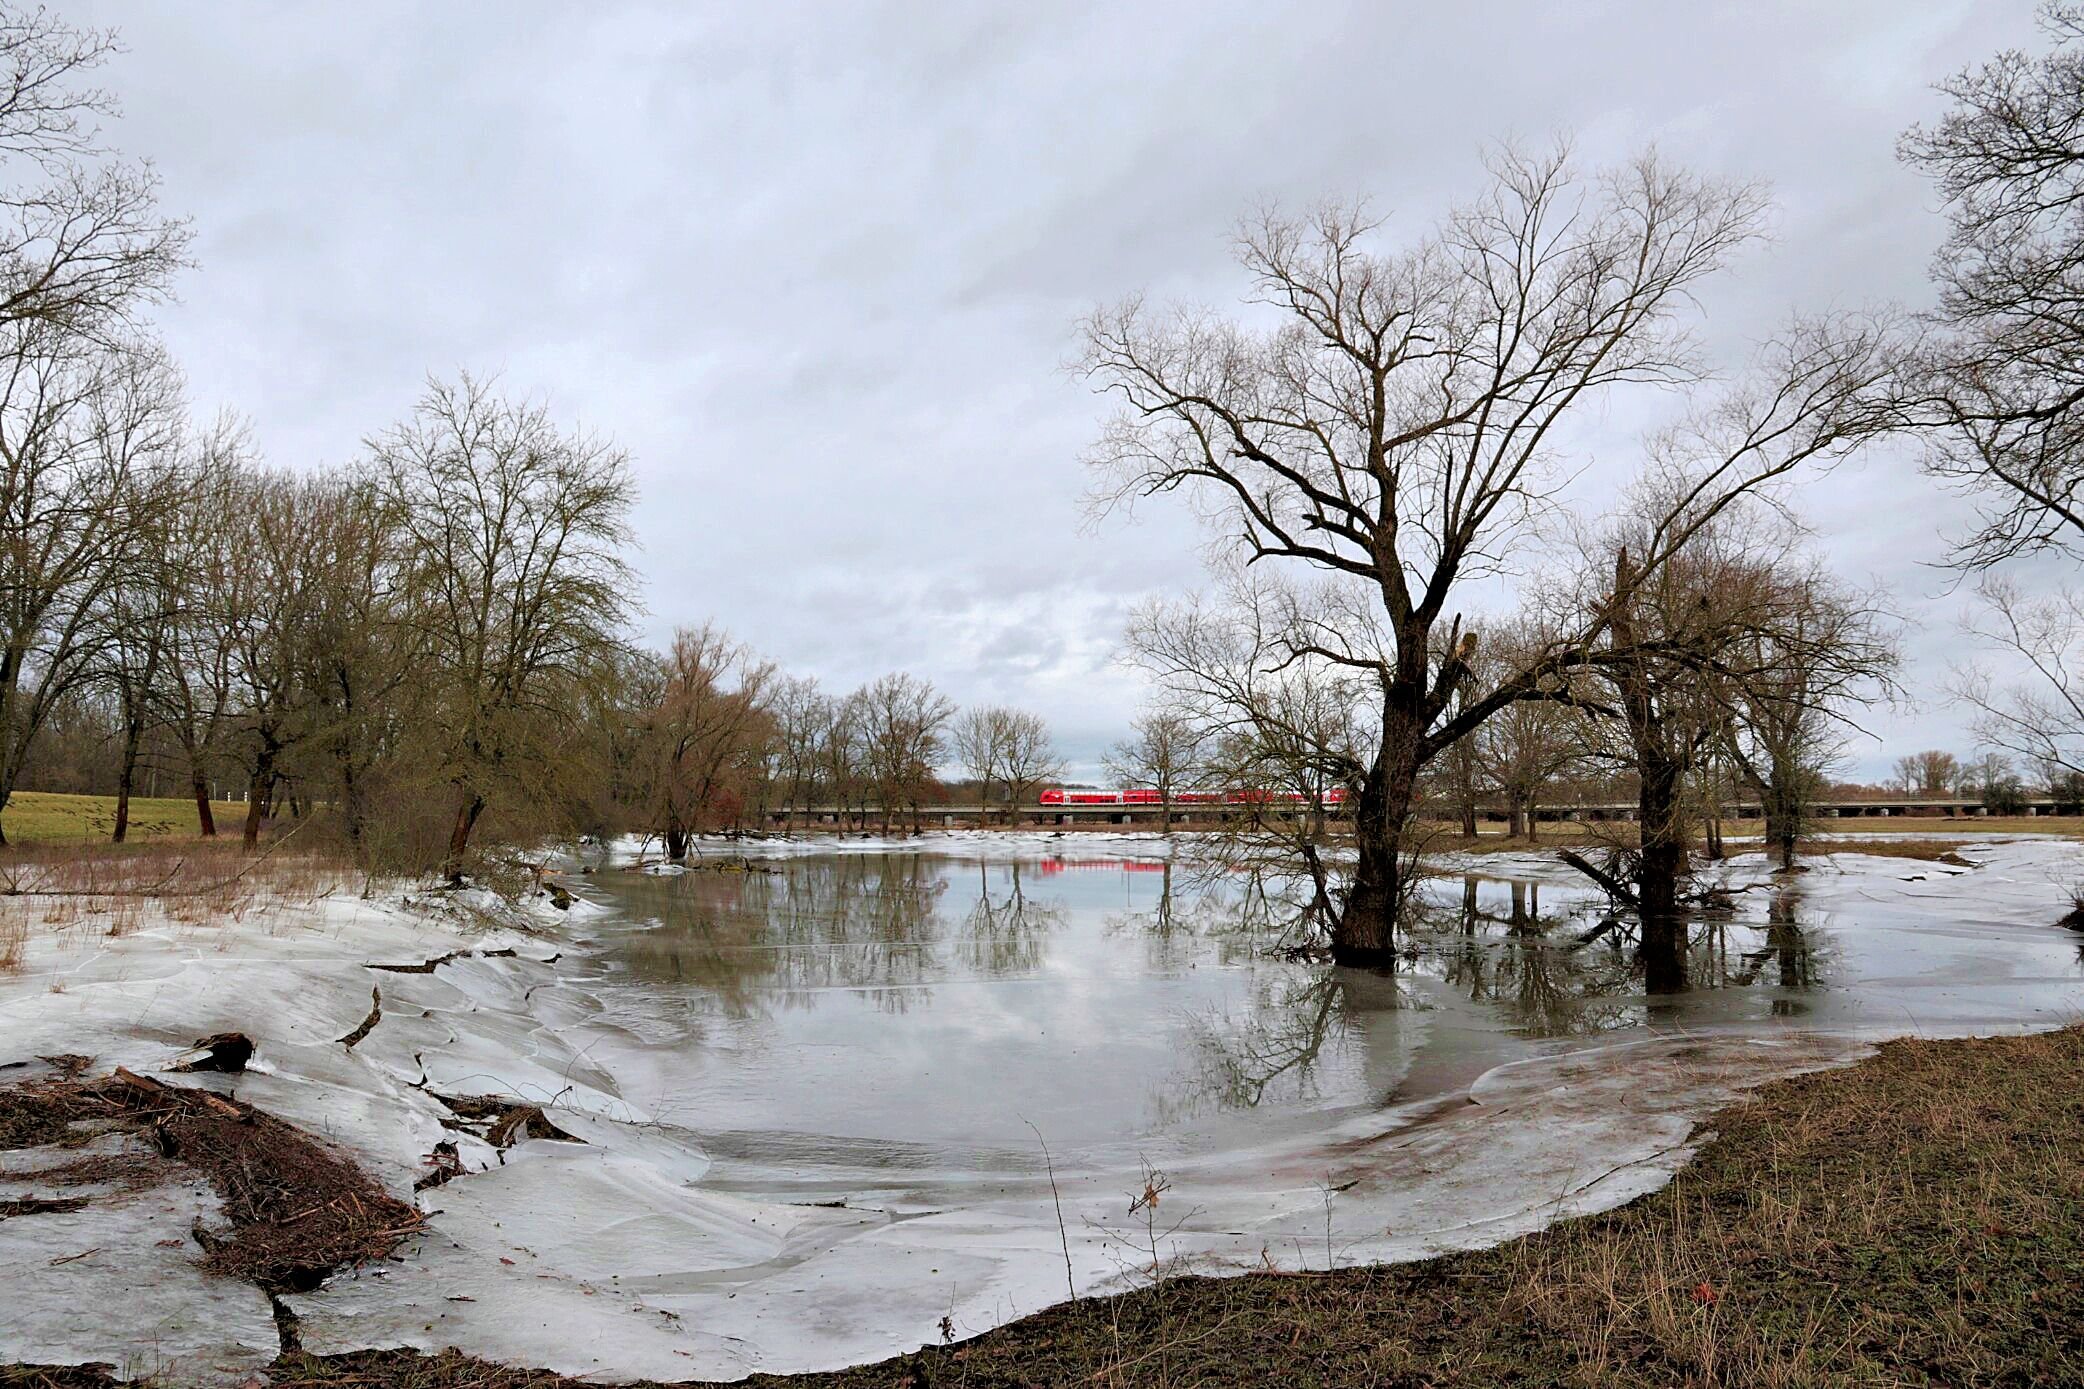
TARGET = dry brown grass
(111,890)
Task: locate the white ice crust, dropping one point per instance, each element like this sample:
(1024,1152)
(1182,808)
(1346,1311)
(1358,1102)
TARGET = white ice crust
(612,1259)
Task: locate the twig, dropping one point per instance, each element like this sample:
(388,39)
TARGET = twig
(1070,1283)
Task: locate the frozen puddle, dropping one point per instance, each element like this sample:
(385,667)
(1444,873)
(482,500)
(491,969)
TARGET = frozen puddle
(811,1102)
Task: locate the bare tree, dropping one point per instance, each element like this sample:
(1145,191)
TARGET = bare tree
(2039,718)
(139,618)
(801,716)
(83,427)
(202,557)
(1167,752)
(514,534)
(843,755)
(1394,434)
(2003,379)
(1829,652)
(708,735)
(84,247)
(363,646)
(1722,633)
(902,718)
(1928,773)
(1028,760)
(1526,745)
(977,739)
(271,607)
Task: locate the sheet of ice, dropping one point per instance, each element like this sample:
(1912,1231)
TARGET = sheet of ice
(118,1280)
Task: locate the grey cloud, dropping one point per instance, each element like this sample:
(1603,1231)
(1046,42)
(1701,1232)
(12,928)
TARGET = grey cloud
(816,266)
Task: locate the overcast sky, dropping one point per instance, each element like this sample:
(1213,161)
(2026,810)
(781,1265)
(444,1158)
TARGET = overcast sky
(817,267)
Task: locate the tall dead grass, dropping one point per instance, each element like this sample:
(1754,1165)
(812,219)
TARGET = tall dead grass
(113,890)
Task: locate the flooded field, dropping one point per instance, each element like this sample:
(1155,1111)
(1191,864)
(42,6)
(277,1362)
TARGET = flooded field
(838,1100)
(906,1025)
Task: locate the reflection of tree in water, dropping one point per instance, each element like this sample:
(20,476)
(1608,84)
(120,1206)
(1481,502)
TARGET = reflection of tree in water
(1546,985)
(1247,912)
(1786,954)
(1006,932)
(1553,978)
(754,939)
(1267,1049)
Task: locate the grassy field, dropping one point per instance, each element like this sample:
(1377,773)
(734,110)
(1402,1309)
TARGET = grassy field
(44,817)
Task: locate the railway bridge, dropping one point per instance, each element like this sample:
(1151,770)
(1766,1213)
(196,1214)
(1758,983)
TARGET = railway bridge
(951,816)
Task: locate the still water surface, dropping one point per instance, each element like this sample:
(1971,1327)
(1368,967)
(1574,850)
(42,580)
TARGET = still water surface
(925,1015)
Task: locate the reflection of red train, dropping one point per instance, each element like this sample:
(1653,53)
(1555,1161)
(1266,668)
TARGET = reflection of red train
(1139,796)
(1053,866)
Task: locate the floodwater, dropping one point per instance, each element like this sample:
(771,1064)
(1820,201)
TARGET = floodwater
(905,1027)
(868,1096)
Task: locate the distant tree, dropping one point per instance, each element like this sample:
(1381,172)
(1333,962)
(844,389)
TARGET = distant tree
(1028,760)
(1526,745)
(977,738)
(1723,651)
(801,715)
(708,735)
(1993,778)
(1828,652)
(1166,753)
(203,557)
(902,719)
(140,616)
(283,543)
(2066,788)
(843,754)
(514,534)
(1928,773)
(85,429)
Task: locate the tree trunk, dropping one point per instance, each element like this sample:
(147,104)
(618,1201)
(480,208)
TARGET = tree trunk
(1663,955)
(1515,815)
(260,790)
(1783,817)
(257,799)
(200,786)
(126,778)
(1365,933)
(1663,839)
(459,835)
(676,838)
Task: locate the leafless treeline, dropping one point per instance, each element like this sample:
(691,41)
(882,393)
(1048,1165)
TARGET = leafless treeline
(434,634)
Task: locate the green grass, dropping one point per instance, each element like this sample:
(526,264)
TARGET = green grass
(46,817)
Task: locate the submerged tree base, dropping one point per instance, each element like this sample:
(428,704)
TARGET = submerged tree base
(1915,1219)
(1364,956)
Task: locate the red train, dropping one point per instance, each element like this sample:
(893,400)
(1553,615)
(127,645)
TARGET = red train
(1141,796)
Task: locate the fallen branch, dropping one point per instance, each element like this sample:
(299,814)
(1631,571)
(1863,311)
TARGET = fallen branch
(1612,885)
